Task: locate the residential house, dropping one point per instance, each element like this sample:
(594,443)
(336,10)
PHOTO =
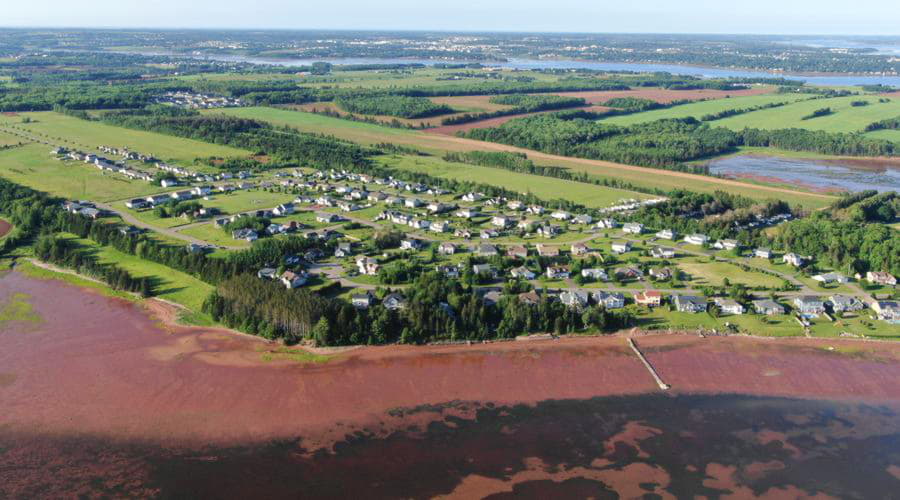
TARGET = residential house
(621,247)
(447,248)
(689,303)
(594,274)
(609,300)
(729,306)
(649,298)
(726,244)
(327,218)
(440,226)
(606,224)
(662,253)
(517,251)
(201,190)
(522,272)
(845,303)
(411,244)
(245,234)
(467,213)
(167,183)
(557,272)
(666,234)
(547,251)
(887,310)
(367,266)
(830,278)
(137,203)
(697,239)
(451,272)
(394,301)
(583,219)
(768,307)
(413,203)
(881,278)
(529,298)
(283,209)
(762,253)
(515,205)
(420,224)
(549,231)
(561,215)
(501,221)
(633,228)
(343,249)
(484,270)
(472,197)
(579,249)
(491,298)
(792,259)
(439,208)
(485,250)
(576,299)
(809,306)
(661,274)
(628,273)
(362,300)
(290,279)
(348,206)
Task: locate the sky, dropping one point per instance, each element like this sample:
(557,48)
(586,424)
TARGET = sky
(862,17)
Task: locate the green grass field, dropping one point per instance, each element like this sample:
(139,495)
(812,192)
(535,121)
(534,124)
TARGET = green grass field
(169,283)
(712,273)
(85,135)
(698,109)
(215,235)
(887,135)
(544,187)
(845,118)
(7,139)
(33,166)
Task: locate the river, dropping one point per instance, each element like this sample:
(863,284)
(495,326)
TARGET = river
(525,64)
(102,397)
(820,175)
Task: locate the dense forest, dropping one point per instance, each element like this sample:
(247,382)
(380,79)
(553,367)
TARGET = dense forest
(392,105)
(665,143)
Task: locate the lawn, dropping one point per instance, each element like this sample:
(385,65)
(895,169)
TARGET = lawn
(215,235)
(713,273)
(232,203)
(87,135)
(33,166)
(845,118)
(863,325)
(888,135)
(774,326)
(698,109)
(168,283)
(547,188)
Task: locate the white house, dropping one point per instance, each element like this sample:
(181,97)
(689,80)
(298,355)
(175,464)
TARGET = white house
(697,239)
(633,228)
(621,247)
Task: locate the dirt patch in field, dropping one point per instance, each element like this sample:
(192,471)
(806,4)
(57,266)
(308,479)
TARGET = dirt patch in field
(5,227)
(778,181)
(10,113)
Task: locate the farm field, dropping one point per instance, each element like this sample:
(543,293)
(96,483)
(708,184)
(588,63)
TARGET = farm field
(698,109)
(887,135)
(543,187)
(665,95)
(168,283)
(845,118)
(438,144)
(7,139)
(32,165)
(76,133)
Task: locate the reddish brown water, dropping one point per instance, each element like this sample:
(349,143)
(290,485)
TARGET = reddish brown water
(98,398)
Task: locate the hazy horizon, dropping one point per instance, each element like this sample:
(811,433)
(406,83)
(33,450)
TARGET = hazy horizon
(689,17)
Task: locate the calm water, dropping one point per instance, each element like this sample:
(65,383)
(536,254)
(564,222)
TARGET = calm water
(602,448)
(809,173)
(676,69)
